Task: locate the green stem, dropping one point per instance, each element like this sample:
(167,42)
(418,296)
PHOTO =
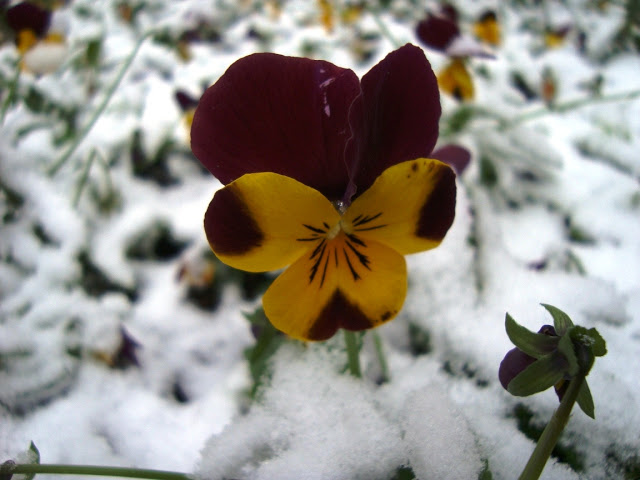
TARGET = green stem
(53,169)
(83,177)
(384,30)
(570,105)
(382,359)
(95,470)
(353,353)
(552,431)
(10,93)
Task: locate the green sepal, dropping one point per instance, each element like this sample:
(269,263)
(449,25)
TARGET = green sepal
(536,345)
(539,376)
(585,400)
(566,348)
(561,321)
(591,339)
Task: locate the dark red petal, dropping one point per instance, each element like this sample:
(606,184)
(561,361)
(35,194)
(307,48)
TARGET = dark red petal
(455,156)
(514,362)
(278,114)
(437,32)
(449,12)
(396,117)
(27,16)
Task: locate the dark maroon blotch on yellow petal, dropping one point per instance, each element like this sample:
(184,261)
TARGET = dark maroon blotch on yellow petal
(185,100)
(28,16)
(488,15)
(438,212)
(278,114)
(230,228)
(437,32)
(339,313)
(396,117)
(455,156)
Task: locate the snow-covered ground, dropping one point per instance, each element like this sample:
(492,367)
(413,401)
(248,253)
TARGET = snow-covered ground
(111,354)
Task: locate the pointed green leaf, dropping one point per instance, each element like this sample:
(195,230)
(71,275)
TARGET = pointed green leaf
(565,347)
(534,344)
(35,453)
(29,457)
(540,375)
(561,321)
(585,400)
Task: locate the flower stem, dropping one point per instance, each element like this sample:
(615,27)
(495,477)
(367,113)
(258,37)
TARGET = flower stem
(570,105)
(384,29)
(552,431)
(382,359)
(83,178)
(62,159)
(353,353)
(102,471)
(11,93)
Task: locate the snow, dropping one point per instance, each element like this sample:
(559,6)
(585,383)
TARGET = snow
(558,224)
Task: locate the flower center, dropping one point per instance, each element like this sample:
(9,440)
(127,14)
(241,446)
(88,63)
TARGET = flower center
(342,225)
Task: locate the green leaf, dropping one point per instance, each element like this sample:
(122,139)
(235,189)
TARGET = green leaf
(30,457)
(536,345)
(585,400)
(404,473)
(257,317)
(540,375)
(566,348)
(485,473)
(267,344)
(561,321)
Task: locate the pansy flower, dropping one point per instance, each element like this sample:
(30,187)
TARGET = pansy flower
(40,40)
(329,176)
(487,29)
(441,32)
(554,37)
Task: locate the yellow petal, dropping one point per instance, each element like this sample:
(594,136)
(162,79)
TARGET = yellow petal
(456,81)
(265,221)
(409,207)
(338,284)
(487,29)
(25,40)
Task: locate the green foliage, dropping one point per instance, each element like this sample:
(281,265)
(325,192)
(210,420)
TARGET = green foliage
(488,172)
(419,340)
(458,120)
(485,473)
(157,242)
(404,473)
(96,283)
(268,341)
